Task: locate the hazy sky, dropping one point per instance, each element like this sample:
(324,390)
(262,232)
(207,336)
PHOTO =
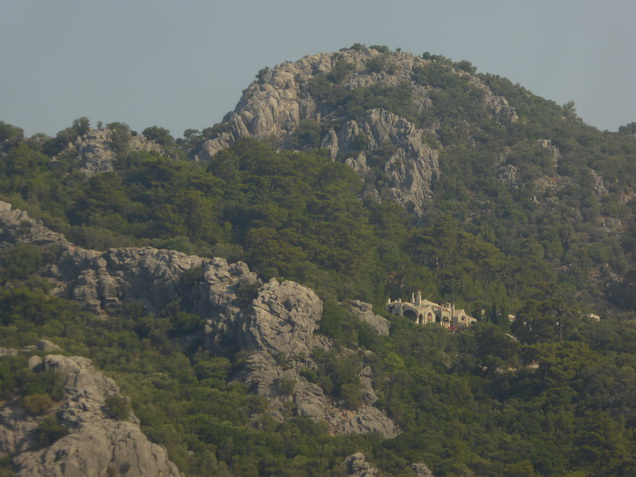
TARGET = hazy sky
(183,64)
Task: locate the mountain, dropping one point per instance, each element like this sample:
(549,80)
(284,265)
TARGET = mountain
(371,108)
(276,326)
(234,282)
(438,138)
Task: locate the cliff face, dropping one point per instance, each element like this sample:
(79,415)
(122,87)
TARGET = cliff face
(281,98)
(96,444)
(277,326)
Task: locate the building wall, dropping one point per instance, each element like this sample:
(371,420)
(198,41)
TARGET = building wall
(423,312)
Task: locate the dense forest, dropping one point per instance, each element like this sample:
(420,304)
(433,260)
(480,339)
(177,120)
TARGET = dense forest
(551,392)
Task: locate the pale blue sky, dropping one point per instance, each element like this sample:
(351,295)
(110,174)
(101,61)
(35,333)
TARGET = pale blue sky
(183,64)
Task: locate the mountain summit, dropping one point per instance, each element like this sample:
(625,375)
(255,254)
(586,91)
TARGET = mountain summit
(436,137)
(376,110)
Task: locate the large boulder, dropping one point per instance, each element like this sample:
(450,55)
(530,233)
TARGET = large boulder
(364,311)
(357,466)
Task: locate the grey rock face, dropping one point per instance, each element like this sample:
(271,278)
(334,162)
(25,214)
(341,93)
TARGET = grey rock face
(421,470)
(357,466)
(102,281)
(46,345)
(96,444)
(366,380)
(96,153)
(276,103)
(17,227)
(364,311)
(279,326)
(409,171)
(364,420)
(283,318)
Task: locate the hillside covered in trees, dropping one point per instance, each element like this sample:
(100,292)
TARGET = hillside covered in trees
(363,175)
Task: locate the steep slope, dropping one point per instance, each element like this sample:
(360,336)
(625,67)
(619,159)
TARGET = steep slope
(93,443)
(518,208)
(312,102)
(277,325)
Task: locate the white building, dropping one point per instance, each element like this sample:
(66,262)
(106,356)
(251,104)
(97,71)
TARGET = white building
(424,311)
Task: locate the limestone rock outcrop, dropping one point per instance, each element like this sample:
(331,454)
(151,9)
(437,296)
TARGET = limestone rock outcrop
(421,470)
(103,281)
(96,150)
(276,322)
(279,328)
(364,311)
(96,445)
(280,98)
(409,170)
(357,466)
(17,227)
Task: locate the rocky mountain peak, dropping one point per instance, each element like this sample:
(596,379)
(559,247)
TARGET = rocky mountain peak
(322,97)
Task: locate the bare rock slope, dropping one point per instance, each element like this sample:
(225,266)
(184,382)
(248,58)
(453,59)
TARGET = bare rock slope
(97,445)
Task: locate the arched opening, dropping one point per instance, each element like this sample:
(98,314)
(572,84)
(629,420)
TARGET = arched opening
(410,314)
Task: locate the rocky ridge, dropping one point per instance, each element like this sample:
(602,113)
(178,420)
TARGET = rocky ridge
(96,444)
(275,104)
(96,150)
(278,326)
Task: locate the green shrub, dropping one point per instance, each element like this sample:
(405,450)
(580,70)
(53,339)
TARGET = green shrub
(287,385)
(117,407)
(307,134)
(5,467)
(49,430)
(36,404)
(246,292)
(46,382)
(309,374)
(351,393)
